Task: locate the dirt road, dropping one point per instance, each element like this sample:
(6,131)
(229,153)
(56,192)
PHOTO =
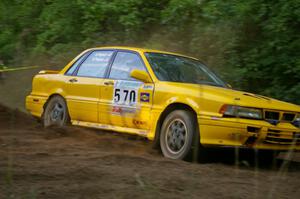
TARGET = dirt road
(85,163)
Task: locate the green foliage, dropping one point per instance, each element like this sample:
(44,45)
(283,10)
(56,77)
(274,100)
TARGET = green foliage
(253,44)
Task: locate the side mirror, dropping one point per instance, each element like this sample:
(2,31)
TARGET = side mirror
(140,75)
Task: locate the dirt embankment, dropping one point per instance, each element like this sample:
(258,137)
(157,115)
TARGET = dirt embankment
(85,163)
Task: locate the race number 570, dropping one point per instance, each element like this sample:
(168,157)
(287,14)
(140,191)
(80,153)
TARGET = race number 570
(125,96)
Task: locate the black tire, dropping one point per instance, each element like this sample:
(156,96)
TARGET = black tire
(178,131)
(55,113)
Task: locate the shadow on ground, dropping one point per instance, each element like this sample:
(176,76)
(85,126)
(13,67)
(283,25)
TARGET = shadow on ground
(250,159)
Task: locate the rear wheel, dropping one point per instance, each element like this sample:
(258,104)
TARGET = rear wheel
(55,113)
(177,133)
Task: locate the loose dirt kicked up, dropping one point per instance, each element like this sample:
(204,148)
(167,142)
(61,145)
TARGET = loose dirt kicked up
(76,162)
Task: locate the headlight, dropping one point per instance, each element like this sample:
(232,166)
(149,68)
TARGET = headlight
(239,111)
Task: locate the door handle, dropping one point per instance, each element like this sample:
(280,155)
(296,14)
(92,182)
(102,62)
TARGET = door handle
(73,80)
(109,83)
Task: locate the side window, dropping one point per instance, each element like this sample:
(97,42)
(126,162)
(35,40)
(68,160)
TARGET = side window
(74,66)
(123,64)
(95,65)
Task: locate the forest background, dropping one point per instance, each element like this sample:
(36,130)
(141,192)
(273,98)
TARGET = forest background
(254,45)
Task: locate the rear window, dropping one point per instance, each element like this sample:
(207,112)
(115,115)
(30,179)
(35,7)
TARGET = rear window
(95,65)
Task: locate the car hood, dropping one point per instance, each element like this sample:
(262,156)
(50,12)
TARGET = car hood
(241,98)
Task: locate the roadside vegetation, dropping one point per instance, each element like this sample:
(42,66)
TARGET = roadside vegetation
(253,44)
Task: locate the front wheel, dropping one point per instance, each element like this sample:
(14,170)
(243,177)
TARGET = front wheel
(177,133)
(55,113)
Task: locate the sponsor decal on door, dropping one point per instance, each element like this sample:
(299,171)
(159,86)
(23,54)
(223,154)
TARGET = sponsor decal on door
(125,96)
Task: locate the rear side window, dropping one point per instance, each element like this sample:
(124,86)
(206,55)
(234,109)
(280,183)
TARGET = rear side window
(96,64)
(74,66)
(123,64)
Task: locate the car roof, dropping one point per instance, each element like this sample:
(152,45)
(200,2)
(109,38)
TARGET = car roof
(143,50)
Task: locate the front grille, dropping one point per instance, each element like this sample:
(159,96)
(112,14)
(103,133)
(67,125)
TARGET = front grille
(288,117)
(272,115)
(284,138)
(275,116)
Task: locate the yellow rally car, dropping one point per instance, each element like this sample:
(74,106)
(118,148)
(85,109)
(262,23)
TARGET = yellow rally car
(172,99)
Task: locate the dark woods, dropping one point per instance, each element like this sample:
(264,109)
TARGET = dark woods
(253,44)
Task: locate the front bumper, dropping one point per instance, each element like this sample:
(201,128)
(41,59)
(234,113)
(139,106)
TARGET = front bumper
(238,132)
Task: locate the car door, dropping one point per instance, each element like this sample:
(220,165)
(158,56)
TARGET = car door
(83,85)
(125,101)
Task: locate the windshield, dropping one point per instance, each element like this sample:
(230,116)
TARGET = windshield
(175,68)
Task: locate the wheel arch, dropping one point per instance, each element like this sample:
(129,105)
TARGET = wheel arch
(51,96)
(170,108)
